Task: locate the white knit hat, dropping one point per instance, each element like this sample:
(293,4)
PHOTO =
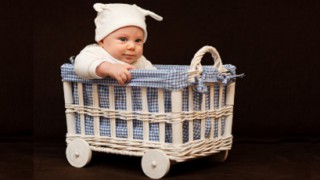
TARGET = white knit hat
(114,16)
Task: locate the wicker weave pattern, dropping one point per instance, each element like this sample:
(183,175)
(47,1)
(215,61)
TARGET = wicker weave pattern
(178,153)
(152,116)
(185,112)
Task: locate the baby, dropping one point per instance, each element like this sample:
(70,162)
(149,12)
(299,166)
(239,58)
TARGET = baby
(120,34)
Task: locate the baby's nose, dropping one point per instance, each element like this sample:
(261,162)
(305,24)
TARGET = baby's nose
(131,45)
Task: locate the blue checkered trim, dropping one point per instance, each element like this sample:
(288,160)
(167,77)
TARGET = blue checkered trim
(170,77)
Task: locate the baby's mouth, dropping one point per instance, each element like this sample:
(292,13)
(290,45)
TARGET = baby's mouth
(129,58)
(129,55)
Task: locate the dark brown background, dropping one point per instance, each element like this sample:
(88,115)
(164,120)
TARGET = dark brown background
(275,43)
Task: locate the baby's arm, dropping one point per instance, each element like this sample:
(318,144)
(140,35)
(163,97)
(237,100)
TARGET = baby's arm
(120,72)
(87,61)
(90,63)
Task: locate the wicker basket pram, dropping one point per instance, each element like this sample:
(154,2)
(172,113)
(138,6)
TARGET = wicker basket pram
(174,113)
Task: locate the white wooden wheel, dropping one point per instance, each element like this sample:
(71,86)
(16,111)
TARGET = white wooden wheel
(220,156)
(78,153)
(155,164)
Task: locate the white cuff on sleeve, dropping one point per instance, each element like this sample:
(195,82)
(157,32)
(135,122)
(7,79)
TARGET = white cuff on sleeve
(92,68)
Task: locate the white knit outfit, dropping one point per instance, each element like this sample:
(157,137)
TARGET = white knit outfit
(93,55)
(111,17)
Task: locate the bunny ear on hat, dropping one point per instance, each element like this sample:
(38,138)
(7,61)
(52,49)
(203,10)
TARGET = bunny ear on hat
(149,13)
(99,7)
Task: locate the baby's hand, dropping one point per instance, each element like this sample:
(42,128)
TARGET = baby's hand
(120,72)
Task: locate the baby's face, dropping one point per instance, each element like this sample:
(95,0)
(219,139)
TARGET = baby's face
(124,44)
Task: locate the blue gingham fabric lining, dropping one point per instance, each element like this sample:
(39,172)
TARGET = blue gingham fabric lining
(170,77)
(152,93)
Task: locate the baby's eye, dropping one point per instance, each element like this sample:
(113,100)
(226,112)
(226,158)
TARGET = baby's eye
(123,39)
(138,40)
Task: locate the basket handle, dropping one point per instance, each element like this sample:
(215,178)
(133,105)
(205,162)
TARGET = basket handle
(196,61)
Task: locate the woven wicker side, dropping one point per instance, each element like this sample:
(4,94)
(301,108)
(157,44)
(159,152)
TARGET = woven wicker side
(112,110)
(70,115)
(175,152)
(212,100)
(145,111)
(95,99)
(129,109)
(220,106)
(161,110)
(190,109)
(203,120)
(81,111)
(229,102)
(176,109)
(230,94)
